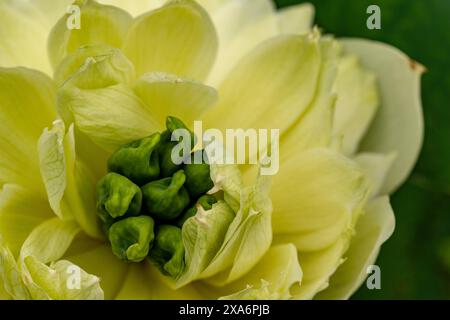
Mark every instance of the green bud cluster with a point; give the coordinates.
(146, 198)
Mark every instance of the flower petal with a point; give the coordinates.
(21, 210)
(55, 281)
(356, 104)
(248, 237)
(4, 295)
(398, 125)
(50, 240)
(97, 258)
(100, 24)
(241, 25)
(332, 190)
(271, 87)
(372, 230)
(52, 10)
(314, 128)
(178, 38)
(166, 94)
(375, 167)
(10, 277)
(135, 7)
(318, 267)
(275, 274)
(23, 36)
(26, 101)
(145, 282)
(102, 104)
(202, 238)
(75, 60)
(296, 19)
(69, 182)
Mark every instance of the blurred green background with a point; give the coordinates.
(415, 262)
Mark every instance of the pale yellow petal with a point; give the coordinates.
(271, 87)
(279, 268)
(23, 36)
(52, 10)
(11, 283)
(69, 181)
(75, 60)
(50, 240)
(241, 25)
(21, 210)
(376, 168)
(314, 128)
(296, 19)
(356, 104)
(398, 125)
(168, 95)
(144, 282)
(56, 282)
(27, 107)
(98, 24)
(372, 230)
(317, 196)
(178, 38)
(317, 268)
(103, 106)
(97, 258)
(135, 7)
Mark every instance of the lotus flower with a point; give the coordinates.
(76, 101)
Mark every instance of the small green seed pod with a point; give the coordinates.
(165, 199)
(173, 124)
(168, 251)
(117, 197)
(205, 202)
(198, 179)
(166, 164)
(132, 238)
(137, 160)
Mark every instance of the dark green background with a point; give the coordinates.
(415, 262)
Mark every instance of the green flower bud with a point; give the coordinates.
(198, 179)
(205, 202)
(168, 251)
(137, 160)
(167, 166)
(117, 197)
(165, 199)
(131, 238)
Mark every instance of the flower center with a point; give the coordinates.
(146, 198)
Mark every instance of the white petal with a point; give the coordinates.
(372, 230)
(398, 125)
